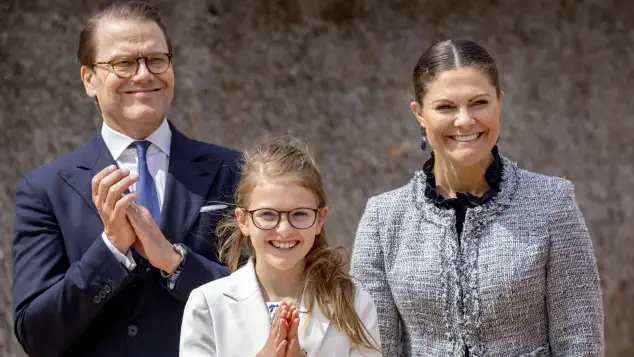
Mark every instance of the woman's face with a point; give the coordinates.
(461, 114)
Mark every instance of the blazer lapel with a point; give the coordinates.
(312, 329)
(189, 177)
(248, 306)
(94, 157)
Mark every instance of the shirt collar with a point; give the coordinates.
(117, 142)
(493, 177)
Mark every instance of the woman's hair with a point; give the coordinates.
(324, 277)
(451, 54)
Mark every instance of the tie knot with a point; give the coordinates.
(141, 148)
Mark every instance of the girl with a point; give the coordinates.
(292, 298)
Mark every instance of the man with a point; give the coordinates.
(93, 273)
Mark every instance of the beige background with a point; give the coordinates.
(337, 73)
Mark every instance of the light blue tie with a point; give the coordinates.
(145, 187)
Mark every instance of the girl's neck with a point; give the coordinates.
(278, 285)
(451, 179)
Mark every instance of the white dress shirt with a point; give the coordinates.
(126, 158)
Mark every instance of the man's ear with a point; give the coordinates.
(88, 77)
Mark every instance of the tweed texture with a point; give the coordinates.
(525, 265)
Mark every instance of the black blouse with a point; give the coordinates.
(464, 200)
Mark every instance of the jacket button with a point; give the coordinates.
(107, 289)
(133, 330)
(102, 294)
(96, 299)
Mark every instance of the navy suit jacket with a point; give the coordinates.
(71, 297)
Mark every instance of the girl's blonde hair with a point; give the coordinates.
(324, 278)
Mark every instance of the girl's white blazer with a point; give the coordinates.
(228, 317)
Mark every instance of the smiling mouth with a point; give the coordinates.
(143, 91)
(466, 138)
(284, 245)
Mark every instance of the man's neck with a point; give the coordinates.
(136, 131)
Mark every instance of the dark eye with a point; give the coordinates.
(125, 62)
(481, 102)
(443, 107)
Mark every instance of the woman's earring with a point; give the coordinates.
(423, 138)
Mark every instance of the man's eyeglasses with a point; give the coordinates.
(126, 67)
(268, 218)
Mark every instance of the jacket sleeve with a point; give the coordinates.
(574, 301)
(197, 330)
(368, 266)
(197, 269)
(54, 301)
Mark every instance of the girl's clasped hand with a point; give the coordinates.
(283, 340)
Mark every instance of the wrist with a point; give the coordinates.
(174, 259)
(123, 248)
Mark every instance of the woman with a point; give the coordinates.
(475, 256)
(279, 223)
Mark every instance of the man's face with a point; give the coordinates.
(145, 97)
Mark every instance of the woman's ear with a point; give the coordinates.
(241, 218)
(417, 109)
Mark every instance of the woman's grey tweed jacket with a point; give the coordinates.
(525, 262)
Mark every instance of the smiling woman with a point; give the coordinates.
(474, 256)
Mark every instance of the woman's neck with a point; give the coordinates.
(278, 285)
(451, 179)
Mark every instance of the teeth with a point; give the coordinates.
(466, 138)
(287, 245)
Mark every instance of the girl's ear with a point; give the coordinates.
(241, 217)
(321, 219)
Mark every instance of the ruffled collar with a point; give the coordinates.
(493, 177)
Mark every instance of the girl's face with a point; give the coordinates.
(281, 220)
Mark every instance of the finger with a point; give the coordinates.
(276, 317)
(100, 176)
(283, 331)
(279, 325)
(106, 182)
(293, 328)
(280, 351)
(115, 192)
(122, 205)
(134, 213)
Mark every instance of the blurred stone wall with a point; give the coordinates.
(337, 73)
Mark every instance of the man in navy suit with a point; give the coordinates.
(111, 238)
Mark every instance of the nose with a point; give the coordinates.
(463, 118)
(284, 228)
(142, 74)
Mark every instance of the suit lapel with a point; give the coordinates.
(248, 306)
(93, 158)
(312, 329)
(190, 175)
(249, 310)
